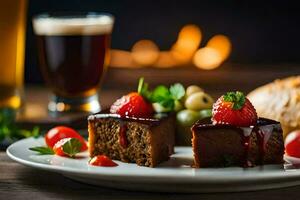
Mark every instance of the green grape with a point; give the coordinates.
(205, 113)
(187, 117)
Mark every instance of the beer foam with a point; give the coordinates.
(94, 25)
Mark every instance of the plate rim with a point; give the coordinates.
(179, 177)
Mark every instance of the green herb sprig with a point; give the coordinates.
(10, 131)
(162, 95)
(70, 147)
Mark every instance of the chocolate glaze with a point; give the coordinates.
(151, 121)
(263, 130)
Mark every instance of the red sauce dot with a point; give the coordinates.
(103, 161)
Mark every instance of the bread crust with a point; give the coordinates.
(280, 101)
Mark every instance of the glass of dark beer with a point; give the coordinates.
(73, 51)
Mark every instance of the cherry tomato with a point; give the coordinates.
(292, 144)
(60, 132)
(103, 161)
(58, 150)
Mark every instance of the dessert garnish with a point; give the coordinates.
(62, 141)
(145, 102)
(103, 161)
(235, 109)
(132, 105)
(190, 105)
(60, 132)
(67, 147)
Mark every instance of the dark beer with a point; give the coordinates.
(73, 65)
(73, 53)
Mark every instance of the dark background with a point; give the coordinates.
(262, 32)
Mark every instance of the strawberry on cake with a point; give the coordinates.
(235, 136)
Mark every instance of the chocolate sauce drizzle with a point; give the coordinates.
(262, 130)
(122, 135)
(246, 145)
(262, 140)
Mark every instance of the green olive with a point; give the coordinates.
(159, 108)
(199, 101)
(187, 117)
(205, 113)
(193, 89)
(177, 106)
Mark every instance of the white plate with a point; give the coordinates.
(175, 175)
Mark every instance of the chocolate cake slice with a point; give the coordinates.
(146, 142)
(224, 145)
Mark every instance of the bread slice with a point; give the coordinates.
(279, 100)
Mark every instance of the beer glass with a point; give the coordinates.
(73, 52)
(12, 44)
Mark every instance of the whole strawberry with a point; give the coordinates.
(132, 105)
(235, 109)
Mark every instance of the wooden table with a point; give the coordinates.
(20, 182)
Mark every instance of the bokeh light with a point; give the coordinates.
(182, 53)
(145, 52)
(222, 44)
(188, 41)
(165, 60)
(121, 59)
(207, 58)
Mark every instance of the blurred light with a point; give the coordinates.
(188, 41)
(14, 102)
(207, 58)
(165, 60)
(145, 52)
(60, 106)
(120, 58)
(222, 44)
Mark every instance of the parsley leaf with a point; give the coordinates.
(177, 91)
(42, 150)
(160, 93)
(8, 128)
(162, 97)
(72, 147)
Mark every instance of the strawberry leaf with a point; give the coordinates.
(237, 98)
(42, 150)
(143, 89)
(72, 147)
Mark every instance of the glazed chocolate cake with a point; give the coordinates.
(224, 145)
(145, 141)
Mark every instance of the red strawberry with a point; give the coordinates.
(235, 109)
(132, 105)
